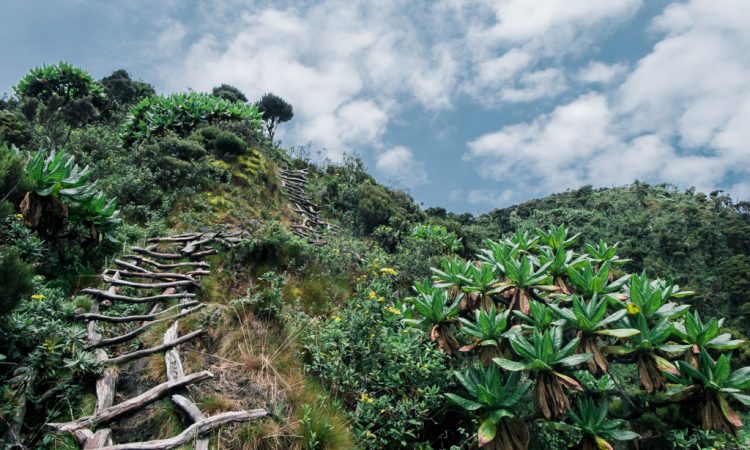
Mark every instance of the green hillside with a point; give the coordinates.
(170, 278)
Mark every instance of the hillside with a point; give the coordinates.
(171, 278)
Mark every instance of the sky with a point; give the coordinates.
(466, 104)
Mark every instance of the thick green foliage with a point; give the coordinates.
(61, 80)
(122, 92)
(696, 239)
(15, 280)
(228, 92)
(387, 376)
(181, 114)
(14, 130)
(275, 110)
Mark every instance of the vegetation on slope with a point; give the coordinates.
(407, 328)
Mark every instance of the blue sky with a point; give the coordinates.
(468, 104)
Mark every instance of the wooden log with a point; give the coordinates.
(131, 266)
(192, 246)
(148, 351)
(178, 238)
(128, 336)
(199, 428)
(188, 407)
(174, 372)
(163, 266)
(148, 285)
(128, 299)
(129, 406)
(122, 319)
(156, 275)
(148, 252)
(210, 251)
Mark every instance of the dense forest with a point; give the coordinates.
(171, 277)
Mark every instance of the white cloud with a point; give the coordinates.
(399, 164)
(350, 68)
(346, 67)
(680, 116)
(545, 83)
(599, 72)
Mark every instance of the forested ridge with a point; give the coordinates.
(172, 277)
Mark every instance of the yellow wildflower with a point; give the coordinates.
(394, 310)
(49, 345)
(388, 271)
(19, 216)
(366, 398)
(381, 299)
(38, 297)
(369, 434)
(633, 309)
(337, 318)
(372, 295)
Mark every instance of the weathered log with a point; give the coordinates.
(179, 238)
(147, 285)
(192, 246)
(107, 415)
(128, 299)
(162, 266)
(128, 336)
(196, 429)
(156, 275)
(142, 317)
(146, 251)
(210, 251)
(174, 372)
(148, 351)
(131, 266)
(188, 407)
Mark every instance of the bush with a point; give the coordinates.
(387, 376)
(14, 130)
(223, 144)
(229, 93)
(374, 207)
(181, 114)
(15, 279)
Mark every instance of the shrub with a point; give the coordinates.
(181, 114)
(229, 93)
(15, 279)
(14, 130)
(387, 378)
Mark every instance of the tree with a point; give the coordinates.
(123, 91)
(275, 110)
(60, 97)
(230, 93)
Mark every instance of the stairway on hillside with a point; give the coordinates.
(172, 266)
(312, 227)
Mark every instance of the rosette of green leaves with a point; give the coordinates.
(435, 308)
(557, 238)
(56, 174)
(540, 316)
(653, 298)
(692, 330)
(522, 277)
(714, 382)
(493, 395)
(597, 428)
(592, 320)
(545, 354)
(589, 281)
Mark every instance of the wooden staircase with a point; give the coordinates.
(312, 227)
(173, 267)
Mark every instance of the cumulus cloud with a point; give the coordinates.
(679, 116)
(399, 164)
(601, 73)
(351, 68)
